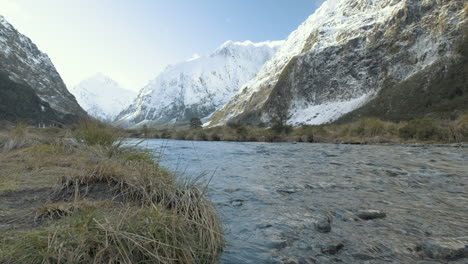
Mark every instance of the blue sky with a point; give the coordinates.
(133, 40)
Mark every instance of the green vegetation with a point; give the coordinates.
(195, 123)
(94, 133)
(70, 202)
(365, 130)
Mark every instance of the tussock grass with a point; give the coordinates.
(119, 208)
(62, 209)
(17, 138)
(95, 133)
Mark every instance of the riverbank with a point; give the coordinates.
(364, 131)
(97, 201)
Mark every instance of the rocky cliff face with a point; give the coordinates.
(102, 97)
(199, 86)
(342, 57)
(27, 66)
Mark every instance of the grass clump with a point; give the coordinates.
(140, 157)
(421, 129)
(62, 209)
(17, 138)
(127, 235)
(95, 133)
(96, 208)
(43, 148)
(368, 127)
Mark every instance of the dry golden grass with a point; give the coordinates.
(90, 207)
(366, 130)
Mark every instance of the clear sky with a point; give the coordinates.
(133, 40)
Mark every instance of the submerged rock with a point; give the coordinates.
(323, 225)
(288, 190)
(237, 203)
(331, 248)
(232, 190)
(371, 214)
(446, 248)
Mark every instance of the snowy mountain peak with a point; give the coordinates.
(198, 86)
(102, 97)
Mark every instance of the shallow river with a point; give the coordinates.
(279, 201)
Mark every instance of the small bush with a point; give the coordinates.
(462, 125)
(20, 130)
(368, 127)
(94, 133)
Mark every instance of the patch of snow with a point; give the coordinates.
(305, 114)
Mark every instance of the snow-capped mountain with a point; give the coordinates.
(345, 54)
(102, 97)
(23, 64)
(198, 86)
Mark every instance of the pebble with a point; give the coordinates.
(371, 214)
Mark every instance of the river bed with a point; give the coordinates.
(328, 203)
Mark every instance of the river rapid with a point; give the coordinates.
(328, 203)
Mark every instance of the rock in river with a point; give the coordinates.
(323, 225)
(331, 248)
(446, 248)
(371, 214)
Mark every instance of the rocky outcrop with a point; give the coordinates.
(19, 102)
(26, 66)
(346, 54)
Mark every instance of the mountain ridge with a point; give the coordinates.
(340, 57)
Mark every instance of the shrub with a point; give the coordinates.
(368, 127)
(95, 133)
(421, 129)
(19, 130)
(195, 123)
(462, 125)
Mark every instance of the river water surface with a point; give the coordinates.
(273, 198)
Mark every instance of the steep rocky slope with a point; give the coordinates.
(19, 102)
(102, 97)
(199, 86)
(24, 64)
(345, 54)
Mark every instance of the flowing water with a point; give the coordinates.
(275, 198)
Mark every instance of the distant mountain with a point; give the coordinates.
(384, 58)
(27, 73)
(199, 86)
(102, 97)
